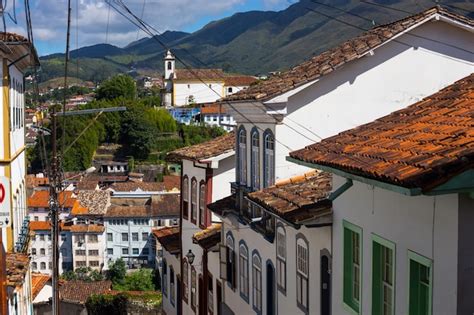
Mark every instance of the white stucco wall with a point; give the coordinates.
(87, 245)
(202, 93)
(45, 294)
(171, 260)
(425, 225)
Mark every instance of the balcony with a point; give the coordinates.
(21, 245)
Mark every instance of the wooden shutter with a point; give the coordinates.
(377, 297)
(223, 252)
(347, 292)
(234, 265)
(414, 288)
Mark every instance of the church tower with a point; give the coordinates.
(170, 74)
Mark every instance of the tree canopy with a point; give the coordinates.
(116, 87)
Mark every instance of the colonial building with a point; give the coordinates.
(402, 224)
(184, 87)
(332, 92)
(38, 205)
(17, 54)
(129, 225)
(215, 115)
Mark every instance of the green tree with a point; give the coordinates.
(137, 132)
(117, 272)
(116, 87)
(139, 280)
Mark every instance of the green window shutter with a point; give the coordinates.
(377, 298)
(420, 285)
(414, 307)
(347, 267)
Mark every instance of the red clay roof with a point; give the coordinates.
(335, 58)
(240, 81)
(138, 186)
(17, 265)
(172, 182)
(91, 202)
(209, 237)
(168, 238)
(421, 146)
(87, 228)
(200, 74)
(78, 292)
(40, 226)
(32, 181)
(202, 151)
(212, 109)
(299, 198)
(38, 281)
(40, 199)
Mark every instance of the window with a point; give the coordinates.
(135, 237)
(193, 200)
(193, 288)
(63, 237)
(269, 159)
(50, 265)
(41, 237)
(256, 282)
(170, 65)
(33, 251)
(383, 276)
(202, 204)
(135, 251)
(124, 237)
(49, 237)
(255, 161)
(145, 236)
(281, 258)
(81, 264)
(230, 259)
(352, 266)
(185, 280)
(42, 251)
(165, 278)
(244, 271)
(302, 273)
(36, 218)
(80, 238)
(34, 265)
(93, 252)
(93, 238)
(124, 251)
(210, 294)
(172, 285)
(229, 90)
(43, 265)
(80, 252)
(242, 156)
(420, 284)
(185, 197)
(110, 251)
(94, 263)
(110, 237)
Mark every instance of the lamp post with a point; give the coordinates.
(190, 256)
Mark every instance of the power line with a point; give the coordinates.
(108, 22)
(372, 21)
(386, 7)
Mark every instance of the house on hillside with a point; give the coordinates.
(215, 115)
(278, 222)
(183, 87)
(73, 295)
(38, 205)
(403, 217)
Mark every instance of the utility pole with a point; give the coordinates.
(54, 189)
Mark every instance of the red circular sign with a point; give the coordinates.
(2, 193)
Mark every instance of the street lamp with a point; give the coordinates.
(190, 256)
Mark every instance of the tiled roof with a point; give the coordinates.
(223, 206)
(335, 58)
(38, 281)
(78, 292)
(87, 184)
(18, 45)
(12, 37)
(17, 266)
(421, 146)
(202, 151)
(165, 205)
(200, 74)
(40, 226)
(107, 178)
(209, 237)
(32, 181)
(168, 238)
(138, 186)
(172, 182)
(40, 199)
(212, 109)
(87, 228)
(127, 212)
(240, 80)
(299, 198)
(91, 202)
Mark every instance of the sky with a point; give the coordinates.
(92, 18)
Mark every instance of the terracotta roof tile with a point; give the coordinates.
(91, 202)
(240, 81)
(168, 238)
(421, 146)
(38, 281)
(17, 266)
(202, 151)
(172, 182)
(203, 74)
(333, 59)
(33, 182)
(87, 228)
(165, 205)
(127, 212)
(209, 237)
(212, 109)
(78, 292)
(87, 184)
(40, 226)
(40, 199)
(297, 199)
(138, 186)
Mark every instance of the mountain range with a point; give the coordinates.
(254, 42)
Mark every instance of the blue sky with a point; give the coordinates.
(49, 19)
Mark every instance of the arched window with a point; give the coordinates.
(244, 270)
(185, 280)
(202, 203)
(170, 65)
(281, 258)
(302, 274)
(185, 192)
(230, 261)
(269, 159)
(242, 156)
(194, 200)
(255, 167)
(256, 282)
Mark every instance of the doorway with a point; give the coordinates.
(270, 289)
(325, 284)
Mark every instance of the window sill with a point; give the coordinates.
(349, 309)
